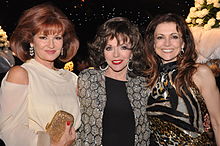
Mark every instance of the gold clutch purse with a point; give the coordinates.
(57, 125)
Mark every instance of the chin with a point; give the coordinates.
(120, 70)
(51, 59)
(169, 59)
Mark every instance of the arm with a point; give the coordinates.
(205, 81)
(18, 75)
(81, 88)
(14, 111)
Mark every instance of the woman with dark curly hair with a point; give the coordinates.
(184, 98)
(113, 95)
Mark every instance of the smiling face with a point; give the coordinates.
(168, 41)
(117, 56)
(47, 47)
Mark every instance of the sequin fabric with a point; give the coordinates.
(92, 97)
(177, 120)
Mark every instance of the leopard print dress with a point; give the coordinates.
(177, 120)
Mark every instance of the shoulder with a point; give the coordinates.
(17, 74)
(203, 71)
(72, 74)
(138, 78)
(89, 76)
(138, 85)
(89, 72)
(203, 75)
(138, 81)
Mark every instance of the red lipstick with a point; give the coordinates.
(116, 62)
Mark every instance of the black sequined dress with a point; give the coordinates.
(177, 120)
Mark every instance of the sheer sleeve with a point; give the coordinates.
(14, 117)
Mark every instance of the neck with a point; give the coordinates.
(48, 64)
(116, 75)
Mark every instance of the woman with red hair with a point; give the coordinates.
(32, 93)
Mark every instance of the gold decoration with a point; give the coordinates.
(69, 66)
(3, 39)
(57, 125)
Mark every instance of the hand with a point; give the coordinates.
(68, 137)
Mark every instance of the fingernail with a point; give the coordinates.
(68, 123)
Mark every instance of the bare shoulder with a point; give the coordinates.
(203, 75)
(203, 71)
(18, 75)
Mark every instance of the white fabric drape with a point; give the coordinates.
(26, 109)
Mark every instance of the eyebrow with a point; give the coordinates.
(169, 34)
(175, 33)
(108, 44)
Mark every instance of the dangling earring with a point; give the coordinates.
(181, 52)
(103, 66)
(31, 51)
(61, 52)
(129, 65)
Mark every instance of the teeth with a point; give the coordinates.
(116, 61)
(167, 51)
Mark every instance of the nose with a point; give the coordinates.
(116, 52)
(167, 41)
(51, 43)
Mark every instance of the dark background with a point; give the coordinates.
(87, 15)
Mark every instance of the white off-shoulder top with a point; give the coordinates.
(26, 109)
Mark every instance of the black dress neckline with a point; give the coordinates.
(167, 67)
(118, 118)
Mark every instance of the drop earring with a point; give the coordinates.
(103, 66)
(31, 51)
(129, 65)
(61, 52)
(181, 52)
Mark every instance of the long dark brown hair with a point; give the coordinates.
(48, 19)
(185, 62)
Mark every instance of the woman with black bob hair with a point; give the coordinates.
(123, 31)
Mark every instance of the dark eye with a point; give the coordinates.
(175, 37)
(42, 37)
(124, 48)
(58, 38)
(108, 48)
(159, 37)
